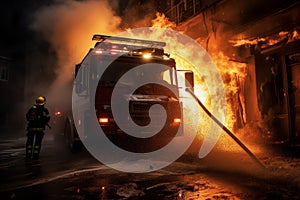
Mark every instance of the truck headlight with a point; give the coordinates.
(103, 120)
(176, 122)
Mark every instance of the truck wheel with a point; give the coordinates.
(69, 139)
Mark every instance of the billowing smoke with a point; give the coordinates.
(68, 28)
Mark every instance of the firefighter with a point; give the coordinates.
(37, 118)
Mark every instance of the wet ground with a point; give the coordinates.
(60, 174)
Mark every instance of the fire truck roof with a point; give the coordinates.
(129, 41)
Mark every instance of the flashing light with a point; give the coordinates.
(103, 120)
(147, 55)
(98, 51)
(137, 52)
(57, 113)
(113, 49)
(176, 120)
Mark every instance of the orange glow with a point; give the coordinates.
(162, 22)
(103, 120)
(180, 194)
(295, 35)
(249, 42)
(176, 120)
(283, 33)
(147, 55)
(57, 113)
(282, 36)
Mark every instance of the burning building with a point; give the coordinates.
(255, 45)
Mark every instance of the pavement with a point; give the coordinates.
(224, 174)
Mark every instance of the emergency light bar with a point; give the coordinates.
(123, 40)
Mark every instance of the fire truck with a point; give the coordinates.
(119, 55)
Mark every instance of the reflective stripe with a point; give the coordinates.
(35, 151)
(37, 147)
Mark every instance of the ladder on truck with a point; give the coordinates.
(128, 41)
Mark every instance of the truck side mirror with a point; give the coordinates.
(189, 79)
(77, 69)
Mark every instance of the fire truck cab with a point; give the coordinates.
(120, 55)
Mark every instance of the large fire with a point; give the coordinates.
(232, 73)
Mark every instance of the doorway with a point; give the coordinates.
(293, 73)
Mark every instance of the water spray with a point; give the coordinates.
(239, 142)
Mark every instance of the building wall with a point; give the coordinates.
(219, 26)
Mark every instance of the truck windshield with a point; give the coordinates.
(119, 67)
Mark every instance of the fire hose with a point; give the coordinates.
(225, 128)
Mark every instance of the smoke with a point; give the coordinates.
(68, 27)
(137, 15)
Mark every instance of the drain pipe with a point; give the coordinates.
(225, 129)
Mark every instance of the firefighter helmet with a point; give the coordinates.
(41, 100)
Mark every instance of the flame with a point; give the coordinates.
(233, 74)
(283, 33)
(161, 21)
(295, 35)
(247, 42)
(282, 36)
